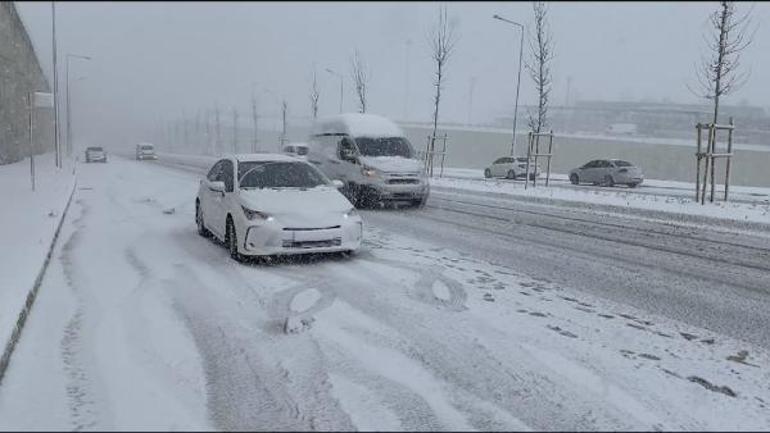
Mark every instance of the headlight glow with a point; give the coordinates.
(255, 215)
(369, 171)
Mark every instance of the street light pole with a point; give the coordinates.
(518, 79)
(56, 142)
(341, 85)
(67, 80)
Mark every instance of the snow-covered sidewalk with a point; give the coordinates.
(28, 223)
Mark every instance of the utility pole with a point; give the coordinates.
(406, 80)
(470, 99)
(518, 80)
(56, 141)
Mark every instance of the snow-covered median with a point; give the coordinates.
(614, 200)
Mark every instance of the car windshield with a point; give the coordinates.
(279, 174)
(385, 146)
(619, 163)
(146, 147)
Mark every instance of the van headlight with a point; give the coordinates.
(255, 214)
(369, 172)
(350, 213)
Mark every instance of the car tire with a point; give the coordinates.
(574, 179)
(231, 240)
(202, 230)
(510, 175)
(487, 173)
(608, 181)
(633, 185)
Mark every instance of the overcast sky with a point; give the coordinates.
(155, 60)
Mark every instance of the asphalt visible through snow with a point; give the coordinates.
(472, 313)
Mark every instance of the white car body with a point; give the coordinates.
(512, 168)
(96, 154)
(390, 171)
(283, 221)
(145, 151)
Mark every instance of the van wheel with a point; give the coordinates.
(573, 178)
(365, 198)
(231, 240)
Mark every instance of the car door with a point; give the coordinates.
(222, 202)
(603, 169)
(498, 167)
(208, 197)
(587, 172)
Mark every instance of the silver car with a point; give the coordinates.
(607, 172)
(511, 168)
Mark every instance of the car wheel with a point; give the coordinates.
(231, 239)
(609, 181)
(573, 178)
(202, 230)
(419, 204)
(487, 173)
(633, 185)
(510, 175)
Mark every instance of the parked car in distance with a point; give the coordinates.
(145, 151)
(607, 172)
(273, 204)
(296, 149)
(512, 168)
(371, 156)
(95, 153)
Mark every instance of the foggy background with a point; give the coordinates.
(154, 61)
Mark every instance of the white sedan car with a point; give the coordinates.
(269, 204)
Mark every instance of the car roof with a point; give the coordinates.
(249, 157)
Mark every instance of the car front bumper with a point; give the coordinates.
(147, 157)
(272, 238)
(399, 192)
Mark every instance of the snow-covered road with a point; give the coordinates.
(470, 314)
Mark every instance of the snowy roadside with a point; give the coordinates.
(28, 223)
(753, 216)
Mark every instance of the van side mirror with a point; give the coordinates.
(348, 155)
(338, 183)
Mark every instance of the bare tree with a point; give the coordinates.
(217, 130)
(235, 130)
(442, 39)
(360, 79)
(718, 73)
(541, 48)
(314, 95)
(255, 120)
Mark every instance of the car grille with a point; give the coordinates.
(335, 242)
(305, 229)
(402, 181)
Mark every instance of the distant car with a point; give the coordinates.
(145, 151)
(296, 149)
(511, 168)
(95, 153)
(607, 172)
(272, 204)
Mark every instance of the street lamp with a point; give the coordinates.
(67, 79)
(518, 80)
(341, 91)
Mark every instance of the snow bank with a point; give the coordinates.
(28, 222)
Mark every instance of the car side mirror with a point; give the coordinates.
(348, 155)
(217, 186)
(338, 183)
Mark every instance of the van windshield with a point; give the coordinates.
(385, 146)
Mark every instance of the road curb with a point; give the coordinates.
(32, 294)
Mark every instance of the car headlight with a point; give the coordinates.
(369, 171)
(255, 214)
(351, 213)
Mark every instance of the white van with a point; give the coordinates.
(371, 156)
